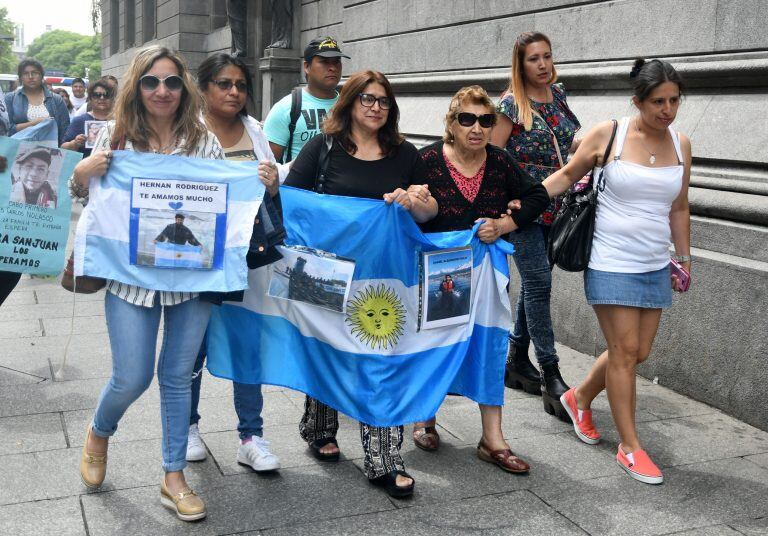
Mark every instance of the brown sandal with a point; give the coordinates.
(426, 438)
(504, 458)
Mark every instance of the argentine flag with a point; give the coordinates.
(176, 256)
(105, 226)
(373, 361)
(44, 133)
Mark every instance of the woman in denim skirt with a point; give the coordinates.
(643, 208)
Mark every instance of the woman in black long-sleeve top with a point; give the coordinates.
(472, 180)
(368, 158)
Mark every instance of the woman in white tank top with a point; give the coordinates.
(643, 209)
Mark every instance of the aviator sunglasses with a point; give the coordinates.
(150, 82)
(467, 119)
(99, 95)
(226, 85)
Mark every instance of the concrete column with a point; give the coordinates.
(280, 70)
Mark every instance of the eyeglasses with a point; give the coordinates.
(101, 96)
(226, 85)
(467, 119)
(368, 100)
(31, 74)
(150, 82)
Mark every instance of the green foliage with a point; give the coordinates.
(7, 59)
(69, 52)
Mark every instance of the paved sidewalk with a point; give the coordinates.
(716, 466)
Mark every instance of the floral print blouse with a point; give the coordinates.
(534, 149)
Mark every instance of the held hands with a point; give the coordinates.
(513, 205)
(268, 176)
(95, 165)
(419, 193)
(399, 196)
(492, 228)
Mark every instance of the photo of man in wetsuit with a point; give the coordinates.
(177, 233)
(32, 186)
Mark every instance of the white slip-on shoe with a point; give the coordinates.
(195, 447)
(256, 455)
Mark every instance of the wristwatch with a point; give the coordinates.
(682, 258)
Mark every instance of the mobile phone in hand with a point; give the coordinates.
(683, 277)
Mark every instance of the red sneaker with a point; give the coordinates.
(581, 418)
(639, 466)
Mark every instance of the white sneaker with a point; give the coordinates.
(195, 447)
(256, 455)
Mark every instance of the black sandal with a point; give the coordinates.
(317, 444)
(389, 483)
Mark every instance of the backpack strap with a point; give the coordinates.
(294, 118)
(322, 163)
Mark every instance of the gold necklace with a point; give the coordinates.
(652, 159)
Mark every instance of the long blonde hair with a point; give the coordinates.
(130, 113)
(517, 79)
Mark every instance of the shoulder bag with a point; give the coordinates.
(570, 237)
(84, 284)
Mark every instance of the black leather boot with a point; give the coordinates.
(552, 388)
(520, 373)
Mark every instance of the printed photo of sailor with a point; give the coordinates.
(447, 287)
(173, 239)
(92, 129)
(35, 175)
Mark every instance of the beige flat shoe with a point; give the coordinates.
(187, 505)
(93, 467)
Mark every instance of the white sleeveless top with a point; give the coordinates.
(632, 232)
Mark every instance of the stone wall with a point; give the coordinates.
(712, 343)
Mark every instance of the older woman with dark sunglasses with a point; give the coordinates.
(102, 98)
(472, 181)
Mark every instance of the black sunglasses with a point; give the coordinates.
(150, 82)
(100, 95)
(226, 85)
(467, 119)
(368, 100)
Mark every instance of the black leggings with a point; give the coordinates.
(8, 281)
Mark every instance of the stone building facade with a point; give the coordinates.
(713, 343)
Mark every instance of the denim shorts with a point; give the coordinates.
(649, 290)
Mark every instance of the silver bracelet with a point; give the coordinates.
(682, 258)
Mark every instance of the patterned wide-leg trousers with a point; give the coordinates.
(381, 445)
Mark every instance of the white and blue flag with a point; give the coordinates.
(44, 133)
(143, 193)
(371, 359)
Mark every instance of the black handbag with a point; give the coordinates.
(570, 237)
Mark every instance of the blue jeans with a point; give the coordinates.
(132, 337)
(533, 321)
(248, 401)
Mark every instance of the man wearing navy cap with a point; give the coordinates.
(322, 67)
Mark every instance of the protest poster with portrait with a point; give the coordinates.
(178, 223)
(91, 131)
(34, 206)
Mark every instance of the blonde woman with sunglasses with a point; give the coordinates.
(157, 110)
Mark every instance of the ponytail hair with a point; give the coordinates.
(648, 75)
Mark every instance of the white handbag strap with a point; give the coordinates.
(554, 138)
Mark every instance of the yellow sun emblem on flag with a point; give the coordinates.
(376, 316)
